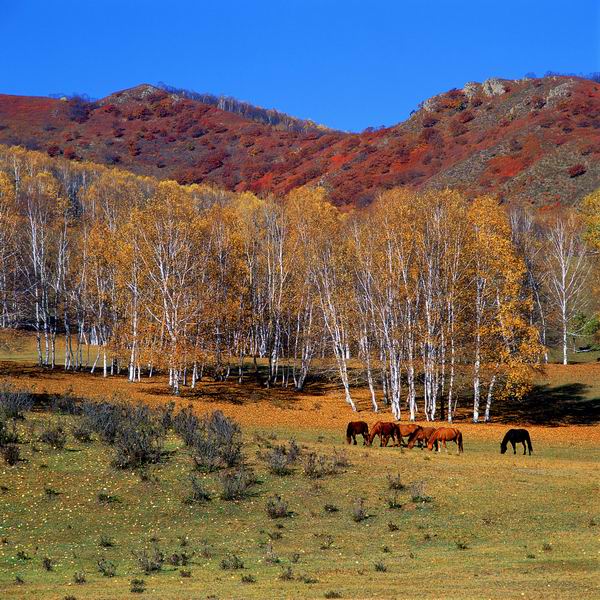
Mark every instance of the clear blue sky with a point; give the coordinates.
(346, 63)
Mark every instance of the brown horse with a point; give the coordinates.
(384, 430)
(443, 435)
(420, 436)
(405, 431)
(357, 428)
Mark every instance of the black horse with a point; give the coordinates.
(516, 436)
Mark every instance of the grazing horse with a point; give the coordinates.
(384, 430)
(405, 431)
(516, 436)
(443, 435)
(357, 428)
(420, 436)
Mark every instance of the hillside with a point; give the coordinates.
(533, 140)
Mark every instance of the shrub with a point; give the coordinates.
(460, 545)
(332, 594)
(237, 485)
(139, 439)
(105, 498)
(417, 492)
(339, 460)
(8, 433)
(317, 466)
(137, 586)
(198, 493)
(331, 508)
(327, 542)
(79, 578)
(103, 418)
(150, 562)
(19, 580)
(51, 492)
(82, 432)
(248, 579)
(47, 563)
(180, 559)
(185, 573)
(105, 542)
(359, 512)
(394, 482)
(286, 574)
(54, 436)
(232, 562)
(577, 170)
(393, 501)
(217, 442)
(65, 404)
(14, 403)
(11, 455)
(277, 508)
(107, 568)
(380, 567)
(279, 460)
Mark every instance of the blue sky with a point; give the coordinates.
(348, 64)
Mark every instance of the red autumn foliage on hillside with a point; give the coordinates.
(514, 139)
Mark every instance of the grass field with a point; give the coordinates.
(495, 526)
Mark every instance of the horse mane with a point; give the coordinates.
(349, 432)
(414, 434)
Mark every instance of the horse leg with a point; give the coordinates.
(514, 447)
(524, 448)
(354, 438)
(381, 440)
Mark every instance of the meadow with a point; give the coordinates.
(378, 523)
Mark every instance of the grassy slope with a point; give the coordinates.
(504, 508)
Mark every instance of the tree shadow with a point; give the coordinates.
(553, 406)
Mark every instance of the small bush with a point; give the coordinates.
(279, 461)
(19, 580)
(248, 579)
(104, 418)
(339, 460)
(65, 404)
(286, 574)
(14, 403)
(11, 455)
(547, 547)
(393, 502)
(237, 485)
(393, 526)
(217, 443)
(461, 545)
(331, 508)
(418, 494)
(332, 594)
(277, 508)
(186, 424)
(318, 465)
(139, 439)
(232, 562)
(359, 512)
(47, 563)
(395, 482)
(327, 542)
(137, 586)
(198, 492)
(307, 579)
(79, 578)
(180, 559)
(186, 573)
(105, 498)
(82, 432)
(150, 562)
(51, 492)
(107, 568)
(8, 433)
(380, 567)
(55, 436)
(22, 555)
(105, 542)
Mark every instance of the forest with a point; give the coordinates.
(428, 298)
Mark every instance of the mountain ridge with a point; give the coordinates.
(533, 141)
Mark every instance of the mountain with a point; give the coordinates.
(530, 141)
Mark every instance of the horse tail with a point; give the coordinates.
(460, 442)
(349, 433)
(529, 446)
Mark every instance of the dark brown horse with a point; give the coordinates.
(445, 434)
(385, 431)
(407, 430)
(420, 436)
(357, 428)
(516, 436)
